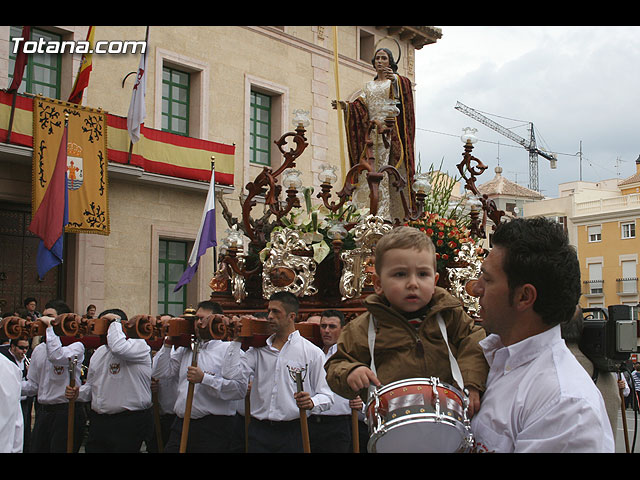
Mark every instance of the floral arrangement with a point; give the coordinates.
(447, 236)
(319, 226)
(444, 220)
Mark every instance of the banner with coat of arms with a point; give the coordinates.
(86, 161)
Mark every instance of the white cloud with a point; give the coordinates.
(574, 83)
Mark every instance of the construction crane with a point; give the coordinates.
(529, 145)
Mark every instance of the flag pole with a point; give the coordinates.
(213, 179)
(11, 115)
(146, 41)
(18, 72)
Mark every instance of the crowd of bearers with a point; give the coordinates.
(526, 388)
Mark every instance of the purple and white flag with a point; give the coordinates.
(206, 236)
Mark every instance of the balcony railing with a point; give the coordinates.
(593, 287)
(627, 286)
(622, 202)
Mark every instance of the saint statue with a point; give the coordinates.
(371, 107)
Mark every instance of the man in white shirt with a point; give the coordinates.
(330, 430)
(47, 379)
(275, 401)
(16, 352)
(119, 389)
(538, 397)
(218, 385)
(11, 424)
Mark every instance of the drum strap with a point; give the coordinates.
(372, 341)
(455, 369)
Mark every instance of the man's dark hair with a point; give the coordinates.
(537, 251)
(571, 329)
(58, 305)
(115, 311)
(212, 306)
(288, 299)
(14, 341)
(334, 313)
(28, 300)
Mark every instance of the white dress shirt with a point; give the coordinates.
(119, 377)
(273, 385)
(539, 399)
(11, 422)
(48, 374)
(167, 390)
(223, 385)
(340, 404)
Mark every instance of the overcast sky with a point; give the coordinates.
(573, 83)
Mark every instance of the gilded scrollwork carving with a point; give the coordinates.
(354, 273)
(459, 276)
(284, 269)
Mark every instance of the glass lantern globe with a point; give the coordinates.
(328, 174)
(421, 183)
(291, 178)
(474, 203)
(469, 135)
(337, 231)
(301, 118)
(234, 239)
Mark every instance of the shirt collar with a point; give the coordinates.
(518, 354)
(291, 338)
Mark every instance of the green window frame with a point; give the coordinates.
(175, 101)
(172, 262)
(260, 133)
(42, 72)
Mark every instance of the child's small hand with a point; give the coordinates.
(474, 401)
(361, 377)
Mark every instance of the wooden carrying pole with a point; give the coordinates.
(187, 409)
(72, 404)
(247, 419)
(156, 418)
(355, 434)
(303, 419)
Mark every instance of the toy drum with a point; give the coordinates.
(418, 415)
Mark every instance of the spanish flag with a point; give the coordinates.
(82, 79)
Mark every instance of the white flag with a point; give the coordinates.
(137, 110)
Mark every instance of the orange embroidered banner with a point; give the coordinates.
(86, 161)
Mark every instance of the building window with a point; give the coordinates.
(172, 261)
(595, 233)
(595, 278)
(629, 230)
(629, 281)
(367, 46)
(175, 101)
(260, 130)
(42, 72)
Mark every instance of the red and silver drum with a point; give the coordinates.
(418, 415)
